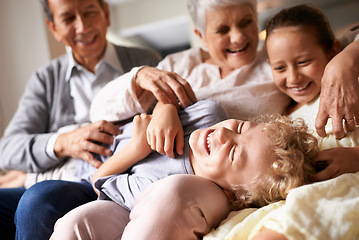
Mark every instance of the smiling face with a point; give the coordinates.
(297, 61)
(82, 25)
(232, 152)
(231, 36)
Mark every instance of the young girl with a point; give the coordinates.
(300, 43)
(255, 163)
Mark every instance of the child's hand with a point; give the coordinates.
(139, 139)
(165, 130)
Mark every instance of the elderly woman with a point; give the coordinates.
(231, 71)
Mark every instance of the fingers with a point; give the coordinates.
(168, 147)
(322, 163)
(320, 122)
(180, 143)
(155, 81)
(99, 138)
(167, 87)
(338, 128)
(87, 150)
(341, 124)
(12, 179)
(162, 144)
(328, 173)
(164, 94)
(350, 124)
(106, 127)
(88, 157)
(84, 141)
(99, 134)
(183, 91)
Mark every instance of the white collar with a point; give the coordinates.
(110, 58)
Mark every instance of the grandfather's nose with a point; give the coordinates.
(80, 24)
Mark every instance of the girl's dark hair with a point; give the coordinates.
(48, 13)
(304, 15)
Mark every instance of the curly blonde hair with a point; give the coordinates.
(294, 149)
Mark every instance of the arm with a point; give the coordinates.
(165, 130)
(339, 97)
(117, 100)
(135, 92)
(135, 150)
(339, 160)
(45, 107)
(23, 144)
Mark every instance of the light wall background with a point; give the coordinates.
(26, 44)
(23, 48)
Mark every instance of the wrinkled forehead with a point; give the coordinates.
(213, 4)
(198, 9)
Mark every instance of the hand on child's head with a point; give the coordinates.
(337, 161)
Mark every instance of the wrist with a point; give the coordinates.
(59, 149)
(138, 89)
(50, 146)
(353, 49)
(168, 107)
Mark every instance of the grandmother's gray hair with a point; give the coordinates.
(197, 9)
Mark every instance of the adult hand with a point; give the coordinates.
(339, 97)
(12, 179)
(84, 141)
(340, 160)
(165, 86)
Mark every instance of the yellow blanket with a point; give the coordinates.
(325, 210)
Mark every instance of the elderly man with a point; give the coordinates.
(59, 95)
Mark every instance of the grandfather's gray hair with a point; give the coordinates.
(197, 9)
(48, 13)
